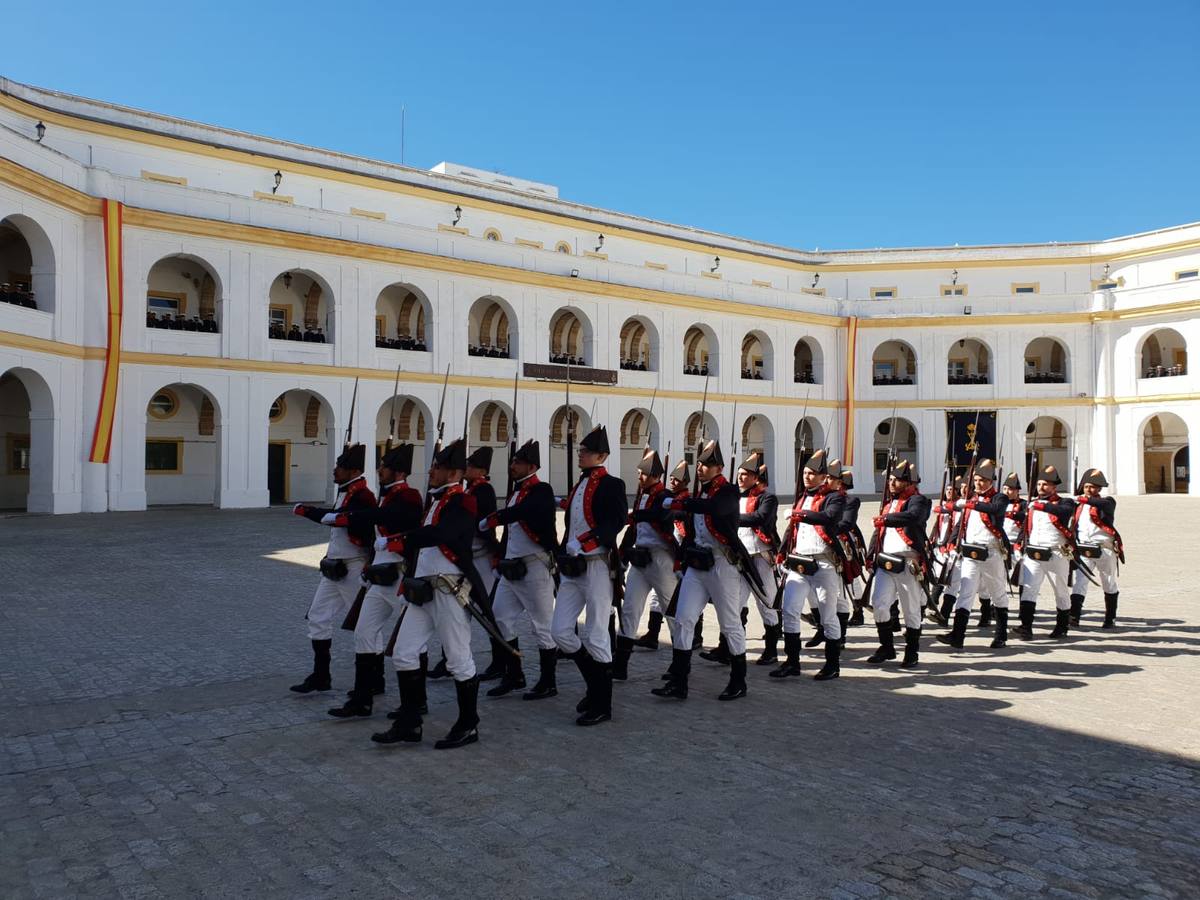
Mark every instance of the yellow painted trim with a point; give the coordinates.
(532, 245)
(454, 229)
(47, 189)
(716, 275)
(274, 198)
(948, 290)
(1000, 403)
(43, 345)
(815, 292)
(661, 267)
(1114, 283)
(162, 417)
(757, 282)
(592, 254)
(1187, 274)
(1149, 398)
(492, 234)
(892, 293)
(368, 214)
(563, 247)
(178, 442)
(164, 179)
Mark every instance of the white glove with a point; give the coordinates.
(328, 518)
(483, 525)
(380, 544)
(960, 503)
(668, 502)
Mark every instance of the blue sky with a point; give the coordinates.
(808, 125)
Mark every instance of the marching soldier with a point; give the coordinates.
(759, 534)
(399, 510)
(485, 548)
(1099, 544)
(436, 596)
(596, 512)
(525, 574)
(713, 559)
(941, 536)
(900, 526)
(649, 549)
(811, 554)
(343, 562)
(1047, 548)
(677, 487)
(854, 547)
(984, 549)
(845, 558)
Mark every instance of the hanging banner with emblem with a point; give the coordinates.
(967, 433)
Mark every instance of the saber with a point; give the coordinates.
(477, 614)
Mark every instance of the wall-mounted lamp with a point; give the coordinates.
(278, 178)
(1106, 271)
(716, 264)
(816, 278)
(966, 310)
(599, 243)
(574, 273)
(962, 342)
(954, 277)
(40, 128)
(457, 216)
(287, 280)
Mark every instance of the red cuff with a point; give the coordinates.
(395, 544)
(341, 521)
(300, 510)
(588, 542)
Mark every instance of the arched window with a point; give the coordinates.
(968, 362)
(401, 316)
(562, 247)
(300, 308)
(490, 330)
(570, 338)
(806, 362)
(182, 294)
(699, 351)
(893, 362)
(639, 345)
(1046, 361)
(1164, 354)
(757, 362)
(491, 235)
(1165, 455)
(26, 264)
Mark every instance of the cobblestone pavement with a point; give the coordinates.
(149, 747)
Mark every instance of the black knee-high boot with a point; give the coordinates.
(887, 644)
(736, 689)
(698, 633)
(985, 612)
(649, 640)
(833, 661)
(942, 617)
(1062, 624)
(318, 679)
(1000, 638)
(547, 683)
(770, 652)
(1076, 607)
(958, 631)
(514, 675)
(583, 662)
(466, 729)
(896, 617)
(677, 676)
(1110, 610)
(720, 653)
(844, 621)
(359, 701)
(1025, 615)
(499, 664)
(600, 690)
(791, 665)
(407, 725)
(620, 663)
(912, 646)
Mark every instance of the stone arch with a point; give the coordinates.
(904, 444)
(491, 425)
(1046, 361)
(412, 427)
(27, 263)
(893, 362)
(757, 434)
(696, 429)
(183, 462)
(570, 337)
(1165, 454)
(183, 291)
(1162, 353)
(27, 441)
(807, 361)
(1047, 443)
(302, 302)
(809, 437)
(302, 445)
(556, 463)
(700, 352)
(639, 344)
(757, 357)
(402, 317)
(491, 328)
(639, 429)
(969, 361)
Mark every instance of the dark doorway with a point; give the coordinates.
(277, 471)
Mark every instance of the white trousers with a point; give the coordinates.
(983, 578)
(822, 591)
(590, 593)
(451, 623)
(533, 594)
(723, 585)
(657, 577)
(1105, 569)
(1034, 572)
(768, 613)
(889, 587)
(376, 618)
(954, 585)
(333, 600)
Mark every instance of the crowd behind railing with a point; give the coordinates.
(1045, 377)
(633, 365)
(752, 375)
(17, 295)
(696, 370)
(1165, 371)
(404, 342)
(805, 377)
(496, 352)
(968, 379)
(566, 359)
(311, 333)
(182, 323)
(891, 380)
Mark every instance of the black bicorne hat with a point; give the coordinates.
(529, 452)
(1013, 481)
(399, 458)
(753, 464)
(481, 458)
(847, 478)
(681, 471)
(818, 463)
(986, 469)
(710, 455)
(1050, 475)
(650, 465)
(1094, 476)
(353, 456)
(452, 456)
(596, 440)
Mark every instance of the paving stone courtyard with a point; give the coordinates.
(149, 746)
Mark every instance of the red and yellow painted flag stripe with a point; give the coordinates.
(114, 280)
(851, 357)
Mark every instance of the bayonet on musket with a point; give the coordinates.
(392, 414)
(441, 422)
(350, 424)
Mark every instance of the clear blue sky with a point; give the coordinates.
(810, 125)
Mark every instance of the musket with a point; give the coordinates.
(948, 568)
(512, 442)
(353, 403)
(466, 420)
(650, 421)
(874, 547)
(441, 424)
(803, 416)
(570, 436)
(392, 415)
(703, 437)
(733, 438)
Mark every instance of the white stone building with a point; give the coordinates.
(108, 214)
